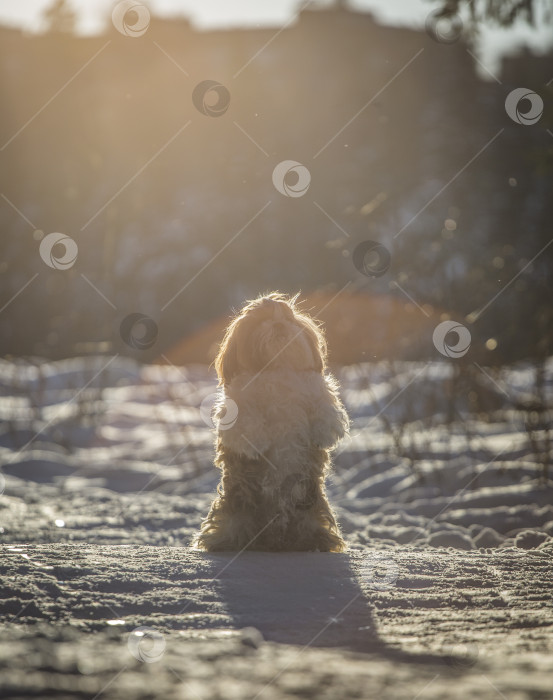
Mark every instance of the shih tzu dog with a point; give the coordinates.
(275, 456)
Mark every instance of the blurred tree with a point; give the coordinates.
(501, 12)
(59, 18)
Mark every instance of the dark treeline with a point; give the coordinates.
(159, 230)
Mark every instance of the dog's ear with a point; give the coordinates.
(226, 362)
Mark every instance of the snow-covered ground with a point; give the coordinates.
(448, 513)
(108, 446)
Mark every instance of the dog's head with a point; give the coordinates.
(270, 333)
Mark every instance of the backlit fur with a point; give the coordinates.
(275, 456)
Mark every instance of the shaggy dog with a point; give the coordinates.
(274, 456)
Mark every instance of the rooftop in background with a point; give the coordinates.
(92, 15)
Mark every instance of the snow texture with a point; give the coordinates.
(445, 590)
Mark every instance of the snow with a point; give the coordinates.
(449, 527)
(136, 429)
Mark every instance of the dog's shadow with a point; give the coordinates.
(301, 598)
